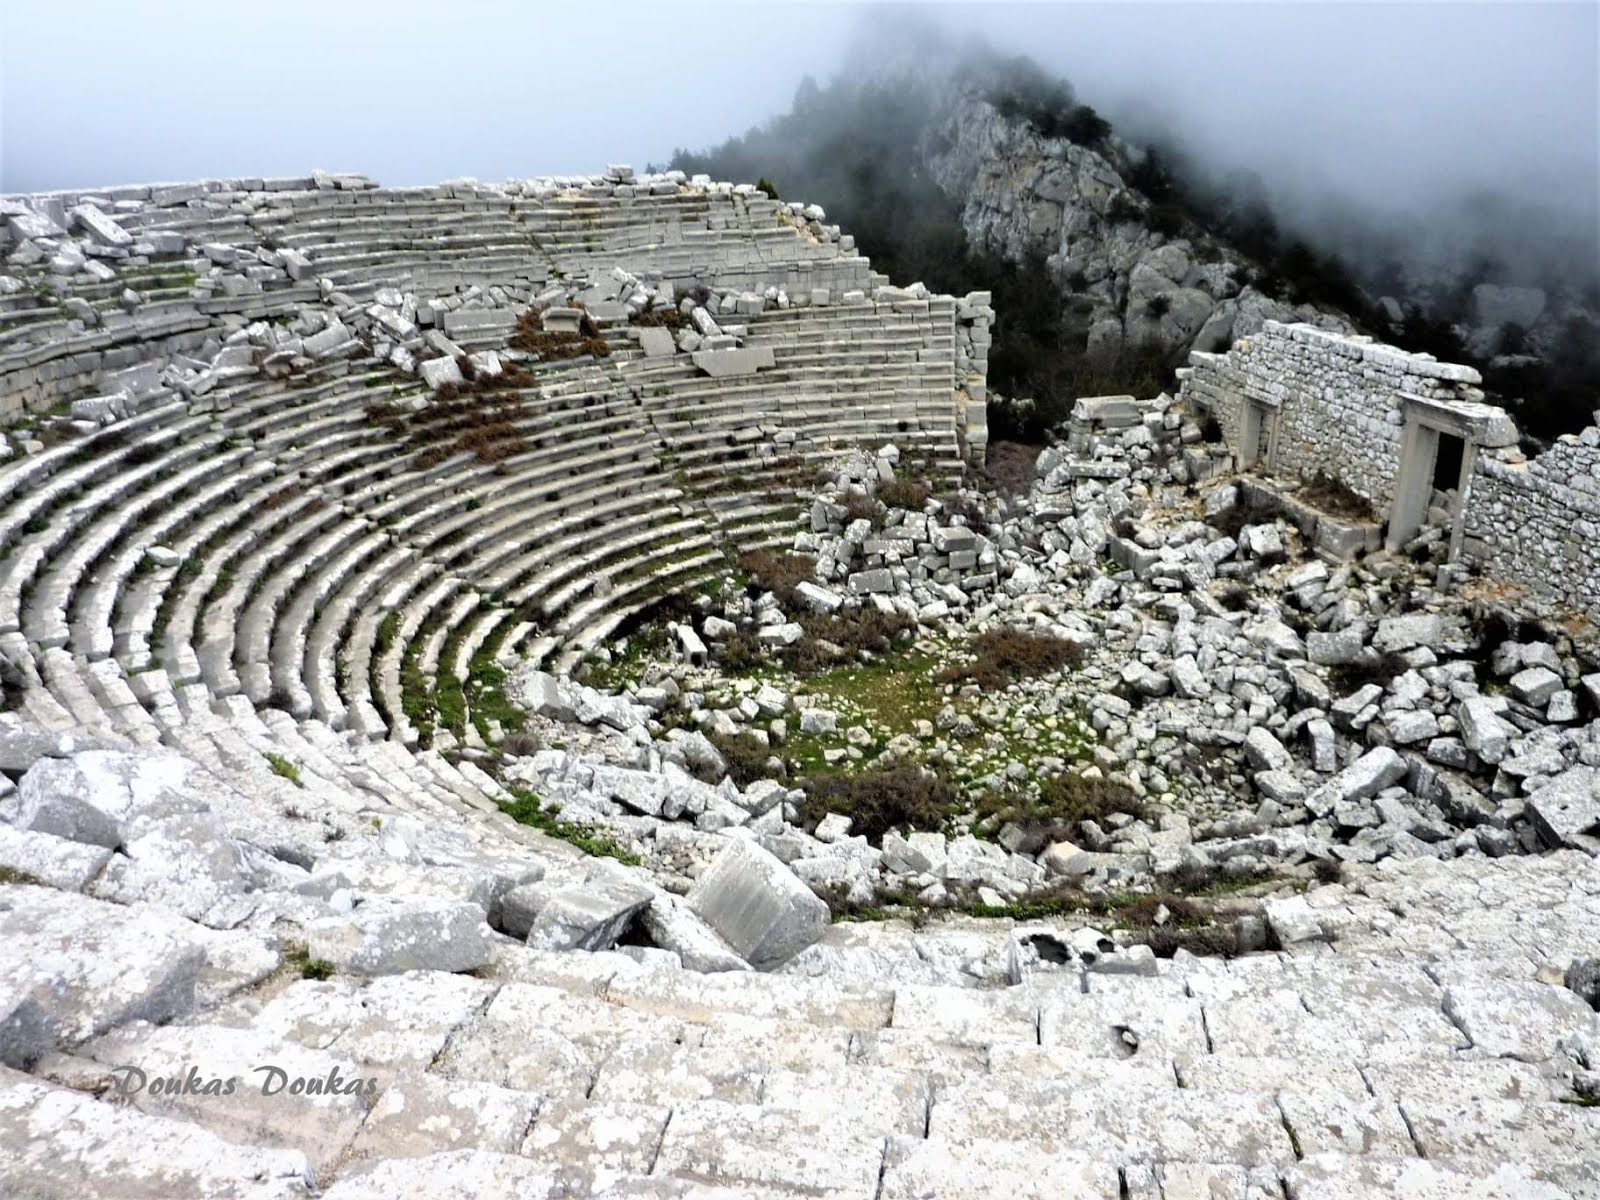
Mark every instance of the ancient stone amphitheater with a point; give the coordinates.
(274, 449)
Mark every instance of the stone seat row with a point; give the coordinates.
(352, 559)
(800, 1083)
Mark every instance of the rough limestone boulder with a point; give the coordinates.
(1566, 810)
(672, 926)
(759, 906)
(75, 967)
(590, 916)
(96, 796)
(384, 938)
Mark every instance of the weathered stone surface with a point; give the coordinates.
(1518, 1018)
(656, 341)
(72, 967)
(96, 795)
(1482, 729)
(383, 937)
(265, 1108)
(673, 926)
(1332, 649)
(51, 860)
(1364, 778)
(543, 694)
(587, 917)
(1567, 807)
(757, 904)
(57, 1144)
(1403, 633)
(724, 364)
(448, 1175)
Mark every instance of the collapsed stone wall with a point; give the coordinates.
(1338, 405)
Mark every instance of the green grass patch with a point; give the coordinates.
(284, 768)
(299, 960)
(526, 808)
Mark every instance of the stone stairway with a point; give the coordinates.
(1350, 1070)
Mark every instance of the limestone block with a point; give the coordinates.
(757, 904)
(437, 372)
(656, 342)
(591, 916)
(1404, 633)
(383, 937)
(118, 1151)
(724, 364)
(1567, 807)
(818, 598)
(1485, 733)
(672, 925)
(72, 967)
(100, 227)
(54, 861)
(99, 796)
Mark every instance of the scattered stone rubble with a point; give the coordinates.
(1277, 709)
(220, 863)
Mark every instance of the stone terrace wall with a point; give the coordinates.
(1337, 398)
(1533, 525)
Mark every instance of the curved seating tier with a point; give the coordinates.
(273, 545)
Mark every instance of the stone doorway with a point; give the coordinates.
(1436, 461)
(1255, 436)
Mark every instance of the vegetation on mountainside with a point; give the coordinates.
(860, 149)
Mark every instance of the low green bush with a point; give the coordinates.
(882, 799)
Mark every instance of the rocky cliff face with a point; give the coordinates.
(1127, 287)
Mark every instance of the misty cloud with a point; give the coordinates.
(1423, 118)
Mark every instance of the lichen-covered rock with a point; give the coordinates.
(384, 937)
(72, 967)
(758, 905)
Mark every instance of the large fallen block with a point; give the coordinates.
(746, 360)
(382, 938)
(72, 967)
(759, 906)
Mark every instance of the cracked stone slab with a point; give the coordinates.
(924, 1169)
(1323, 1122)
(57, 1144)
(616, 1136)
(877, 1099)
(427, 1114)
(1339, 1177)
(968, 1015)
(740, 1145)
(101, 796)
(399, 1021)
(1155, 1123)
(86, 966)
(1519, 1019)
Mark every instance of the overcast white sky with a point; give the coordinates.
(1397, 102)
